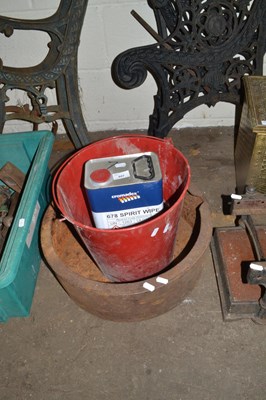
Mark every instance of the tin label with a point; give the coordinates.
(124, 190)
(121, 219)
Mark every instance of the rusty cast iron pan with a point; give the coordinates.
(92, 291)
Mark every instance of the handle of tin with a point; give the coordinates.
(147, 168)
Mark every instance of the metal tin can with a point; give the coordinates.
(124, 190)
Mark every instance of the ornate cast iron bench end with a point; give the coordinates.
(207, 48)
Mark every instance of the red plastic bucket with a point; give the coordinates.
(134, 252)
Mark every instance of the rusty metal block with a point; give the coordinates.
(232, 254)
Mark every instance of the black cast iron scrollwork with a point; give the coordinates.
(210, 46)
(58, 70)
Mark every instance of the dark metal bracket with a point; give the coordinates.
(251, 202)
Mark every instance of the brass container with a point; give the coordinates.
(250, 152)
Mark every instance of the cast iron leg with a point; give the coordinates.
(68, 99)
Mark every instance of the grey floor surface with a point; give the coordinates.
(189, 353)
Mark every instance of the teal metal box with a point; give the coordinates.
(20, 260)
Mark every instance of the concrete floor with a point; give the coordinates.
(189, 353)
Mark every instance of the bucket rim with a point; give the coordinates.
(131, 227)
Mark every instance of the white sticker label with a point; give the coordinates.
(236, 196)
(21, 222)
(154, 232)
(148, 286)
(256, 267)
(167, 228)
(162, 280)
(121, 175)
(33, 224)
(120, 165)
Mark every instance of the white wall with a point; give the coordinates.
(108, 30)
